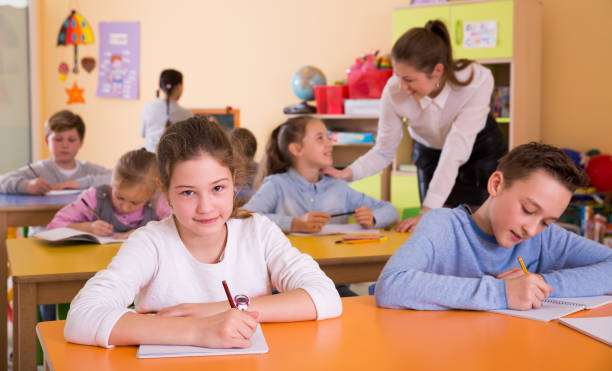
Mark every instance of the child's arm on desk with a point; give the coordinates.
(228, 329)
(383, 212)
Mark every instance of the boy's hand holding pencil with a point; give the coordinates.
(524, 290)
(311, 222)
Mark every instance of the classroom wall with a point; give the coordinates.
(239, 53)
(243, 54)
(576, 78)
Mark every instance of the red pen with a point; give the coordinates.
(229, 295)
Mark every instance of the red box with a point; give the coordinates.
(367, 84)
(330, 99)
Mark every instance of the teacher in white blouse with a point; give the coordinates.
(445, 105)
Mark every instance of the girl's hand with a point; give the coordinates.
(38, 186)
(101, 228)
(71, 184)
(364, 216)
(195, 310)
(344, 174)
(229, 329)
(510, 273)
(125, 235)
(311, 222)
(409, 224)
(526, 291)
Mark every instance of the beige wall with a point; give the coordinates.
(243, 53)
(576, 78)
(239, 53)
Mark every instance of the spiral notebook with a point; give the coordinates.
(553, 308)
(599, 328)
(258, 346)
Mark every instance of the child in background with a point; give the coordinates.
(160, 113)
(128, 203)
(296, 196)
(244, 142)
(64, 134)
(455, 259)
(174, 268)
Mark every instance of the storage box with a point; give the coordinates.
(368, 107)
(341, 137)
(330, 99)
(367, 84)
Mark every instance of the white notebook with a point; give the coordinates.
(553, 308)
(339, 229)
(258, 346)
(599, 328)
(70, 234)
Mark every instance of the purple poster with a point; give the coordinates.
(119, 60)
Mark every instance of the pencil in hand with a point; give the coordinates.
(342, 214)
(33, 171)
(90, 209)
(520, 260)
(229, 295)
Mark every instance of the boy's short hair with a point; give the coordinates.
(244, 141)
(65, 120)
(525, 159)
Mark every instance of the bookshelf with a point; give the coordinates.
(515, 61)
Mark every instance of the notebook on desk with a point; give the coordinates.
(553, 308)
(71, 234)
(258, 346)
(339, 229)
(599, 328)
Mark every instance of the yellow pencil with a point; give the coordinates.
(90, 209)
(523, 265)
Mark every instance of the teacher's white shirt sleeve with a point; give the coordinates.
(388, 138)
(470, 120)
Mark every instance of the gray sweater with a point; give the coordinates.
(87, 175)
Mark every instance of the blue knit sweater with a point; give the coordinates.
(449, 262)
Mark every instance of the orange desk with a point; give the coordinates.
(15, 211)
(45, 274)
(369, 338)
(350, 263)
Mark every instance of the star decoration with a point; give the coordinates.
(75, 94)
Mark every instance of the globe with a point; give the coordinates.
(304, 80)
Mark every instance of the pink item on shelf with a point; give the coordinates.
(367, 84)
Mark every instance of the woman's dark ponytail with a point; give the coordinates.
(168, 81)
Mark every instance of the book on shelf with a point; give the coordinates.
(70, 234)
(365, 107)
(340, 137)
(500, 102)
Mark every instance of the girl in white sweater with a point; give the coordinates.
(172, 270)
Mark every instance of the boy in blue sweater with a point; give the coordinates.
(455, 259)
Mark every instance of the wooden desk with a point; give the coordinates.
(370, 338)
(44, 274)
(350, 263)
(16, 211)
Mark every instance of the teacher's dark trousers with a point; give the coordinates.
(471, 183)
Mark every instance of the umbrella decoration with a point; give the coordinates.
(75, 30)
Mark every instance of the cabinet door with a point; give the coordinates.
(499, 11)
(405, 19)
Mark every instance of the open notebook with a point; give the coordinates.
(553, 308)
(258, 346)
(339, 229)
(70, 234)
(599, 328)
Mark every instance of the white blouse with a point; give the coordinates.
(450, 122)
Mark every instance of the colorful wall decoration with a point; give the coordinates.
(119, 60)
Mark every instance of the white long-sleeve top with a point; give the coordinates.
(154, 269)
(449, 122)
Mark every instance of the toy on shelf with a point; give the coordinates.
(303, 82)
(368, 76)
(599, 170)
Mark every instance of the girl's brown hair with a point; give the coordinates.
(277, 158)
(138, 167)
(424, 47)
(192, 138)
